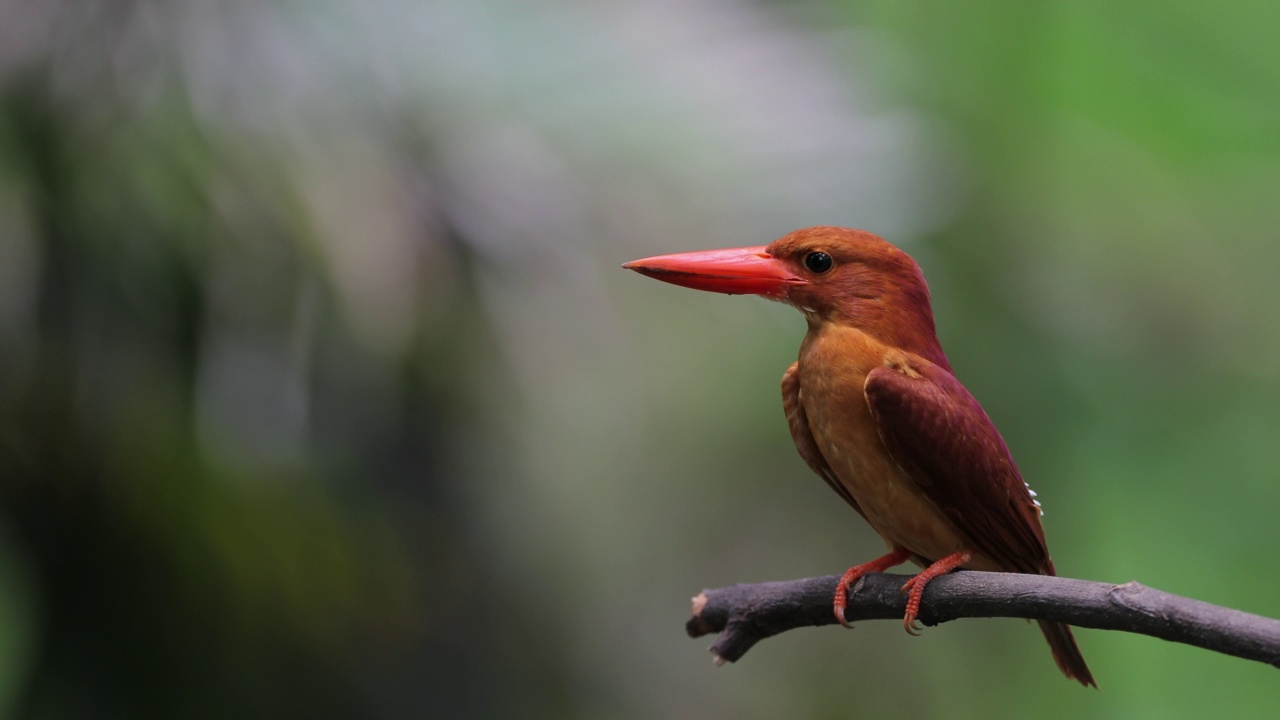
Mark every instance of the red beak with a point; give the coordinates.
(734, 271)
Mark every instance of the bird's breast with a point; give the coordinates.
(834, 364)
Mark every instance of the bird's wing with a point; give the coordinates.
(798, 421)
(939, 435)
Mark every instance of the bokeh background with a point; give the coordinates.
(322, 393)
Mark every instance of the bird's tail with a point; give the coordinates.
(1066, 653)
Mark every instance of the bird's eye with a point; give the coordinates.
(818, 262)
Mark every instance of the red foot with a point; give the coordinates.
(916, 586)
(897, 557)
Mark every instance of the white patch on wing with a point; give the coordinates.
(1034, 501)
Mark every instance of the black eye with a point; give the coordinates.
(817, 262)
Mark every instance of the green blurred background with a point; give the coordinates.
(322, 393)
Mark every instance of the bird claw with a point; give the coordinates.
(840, 619)
(853, 574)
(915, 587)
(910, 621)
(912, 625)
(840, 603)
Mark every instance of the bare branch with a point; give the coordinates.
(746, 614)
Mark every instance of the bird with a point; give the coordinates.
(876, 411)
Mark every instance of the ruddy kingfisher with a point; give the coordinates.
(876, 412)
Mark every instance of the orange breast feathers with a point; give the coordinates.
(833, 368)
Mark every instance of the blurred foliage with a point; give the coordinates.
(321, 393)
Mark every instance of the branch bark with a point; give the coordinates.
(747, 614)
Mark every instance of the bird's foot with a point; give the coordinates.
(915, 586)
(880, 564)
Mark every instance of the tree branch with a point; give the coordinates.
(746, 614)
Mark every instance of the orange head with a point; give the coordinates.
(831, 274)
